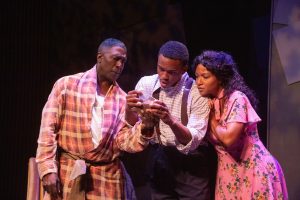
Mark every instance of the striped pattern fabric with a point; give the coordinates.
(66, 124)
(197, 110)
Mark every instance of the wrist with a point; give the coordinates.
(128, 124)
(147, 131)
(131, 119)
(173, 123)
(147, 127)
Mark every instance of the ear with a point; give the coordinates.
(185, 68)
(99, 56)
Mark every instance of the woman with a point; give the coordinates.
(246, 169)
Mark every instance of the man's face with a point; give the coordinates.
(169, 71)
(110, 63)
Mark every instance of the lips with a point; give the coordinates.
(163, 82)
(117, 73)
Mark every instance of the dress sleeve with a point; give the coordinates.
(239, 109)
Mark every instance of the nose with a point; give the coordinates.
(164, 75)
(199, 81)
(120, 64)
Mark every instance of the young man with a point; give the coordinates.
(78, 146)
(180, 157)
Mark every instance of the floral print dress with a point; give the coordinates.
(246, 170)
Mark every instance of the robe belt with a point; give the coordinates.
(79, 174)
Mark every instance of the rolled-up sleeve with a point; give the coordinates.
(130, 139)
(198, 114)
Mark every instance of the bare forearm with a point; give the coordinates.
(220, 133)
(131, 117)
(147, 131)
(181, 132)
(230, 133)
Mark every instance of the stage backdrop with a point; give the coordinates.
(284, 91)
(44, 40)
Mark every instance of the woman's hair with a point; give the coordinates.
(225, 69)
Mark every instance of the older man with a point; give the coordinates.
(78, 146)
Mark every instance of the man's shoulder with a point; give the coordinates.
(149, 78)
(69, 78)
(147, 82)
(78, 76)
(74, 76)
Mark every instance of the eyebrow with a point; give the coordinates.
(172, 70)
(202, 74)
(118, 56)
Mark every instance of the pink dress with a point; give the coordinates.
(247, 170)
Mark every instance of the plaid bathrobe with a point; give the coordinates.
(66, 126)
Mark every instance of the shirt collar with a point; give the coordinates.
(177, 86)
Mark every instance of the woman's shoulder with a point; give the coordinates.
(237, 94)
(239, 102)
(239, 97)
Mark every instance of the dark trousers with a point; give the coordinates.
(185, 177)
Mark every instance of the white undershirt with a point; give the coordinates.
(97, 117)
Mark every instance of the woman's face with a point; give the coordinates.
(207, 83)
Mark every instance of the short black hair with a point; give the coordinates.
(175, 50)
(111, 42)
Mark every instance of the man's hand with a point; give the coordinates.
(133, 103)
(52, 185)
(133, 100)
(161, 110)
(181, 132)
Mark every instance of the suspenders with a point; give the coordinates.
(188, 86)
(184, 115)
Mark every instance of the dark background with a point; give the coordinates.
(44, 40)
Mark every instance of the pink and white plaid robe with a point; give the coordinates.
(66, 122)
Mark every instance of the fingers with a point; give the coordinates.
(159, 107)
(134, 103)
(59, 188)
(52, 185)
(133, 100)
(52, 189)
(136, 92)
(55, 190)
(158, 102)
(132, 97)
(159, 113)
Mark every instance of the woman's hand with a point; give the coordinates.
(225, 135)
(212, 125)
